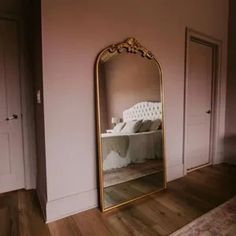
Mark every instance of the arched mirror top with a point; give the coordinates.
(130, 45)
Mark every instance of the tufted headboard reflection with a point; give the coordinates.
(143, 110)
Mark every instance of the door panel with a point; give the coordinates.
(11, 146)
(199, 90)
(5, 153)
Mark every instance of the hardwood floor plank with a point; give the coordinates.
(30, 217)
(117, 226)
(90, 223)
(64, 227)
(9, 201)
(179, 205)
(5, 223)
(136, 224)
(161, 216)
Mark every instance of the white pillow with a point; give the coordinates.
(156, 124)
(145, 126)
(118, 127)
(132, 126)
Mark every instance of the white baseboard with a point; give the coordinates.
(174, 172)
(219, 158)
(70, 205)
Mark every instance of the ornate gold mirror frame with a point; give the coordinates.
(131, 45)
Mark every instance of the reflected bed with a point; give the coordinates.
(120, 150)
(128, 156)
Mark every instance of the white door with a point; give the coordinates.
(198, 104)
(11, 147)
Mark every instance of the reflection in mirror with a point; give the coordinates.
(130, 124)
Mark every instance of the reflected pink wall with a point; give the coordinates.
(130, 79)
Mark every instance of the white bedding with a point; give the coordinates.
(121, 149)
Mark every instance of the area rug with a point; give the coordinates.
(220, 221)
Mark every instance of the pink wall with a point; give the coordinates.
(230, 132)
(73, 32)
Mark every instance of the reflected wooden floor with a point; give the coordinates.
(123, 192)
(131, 172)
(160, 214)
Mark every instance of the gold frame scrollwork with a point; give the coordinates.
(130, 45)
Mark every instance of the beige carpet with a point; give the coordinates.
(220, 221)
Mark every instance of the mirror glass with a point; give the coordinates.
(130, 124)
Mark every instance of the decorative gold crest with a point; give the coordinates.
(132, 46)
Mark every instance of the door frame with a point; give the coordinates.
(193, 35)
(27, 103)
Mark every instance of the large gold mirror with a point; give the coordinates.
(130, 128)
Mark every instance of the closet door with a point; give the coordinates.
(11, 146)
(199, 102)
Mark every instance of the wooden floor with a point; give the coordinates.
(160, 214)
